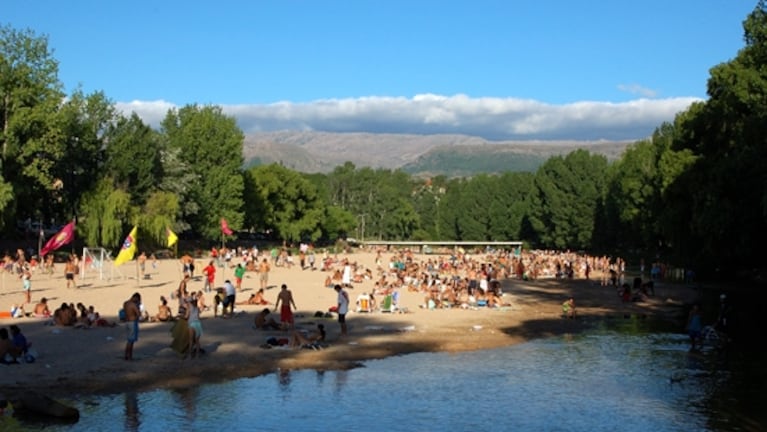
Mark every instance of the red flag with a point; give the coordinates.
(60, 239)
(225, 227)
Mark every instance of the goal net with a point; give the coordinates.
(97, 262)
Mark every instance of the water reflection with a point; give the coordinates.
(187, 399)
(599, 381)
(341, 378)
(132, 416)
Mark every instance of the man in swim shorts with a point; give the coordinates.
(343, 307)
(285, 298)
(132, 314)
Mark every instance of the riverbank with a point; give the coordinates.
(78, 361)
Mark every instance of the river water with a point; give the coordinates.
(600, 381)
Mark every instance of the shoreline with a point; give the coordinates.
(77, 362)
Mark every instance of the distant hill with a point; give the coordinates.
(451, 155)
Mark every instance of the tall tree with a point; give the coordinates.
(289, 204)
(86, 120)
(105, 211)
(133, 157)
(726, 187)
(210, 144)
(568, 190)
(31, 137)
(510, 205)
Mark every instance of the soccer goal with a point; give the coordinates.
(98, 262)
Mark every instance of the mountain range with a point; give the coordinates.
(419, 155)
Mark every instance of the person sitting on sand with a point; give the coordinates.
(41, 309)
(264, 322)
(8, 352)
(201, 303)
(19, 340)
(95, 319)
(298, 340)
(164, 313)
(256, 299)
(82, 316)
(568, 308)
(63, 317)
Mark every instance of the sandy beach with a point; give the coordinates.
(75, 361)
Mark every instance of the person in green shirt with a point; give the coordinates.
(239, 272)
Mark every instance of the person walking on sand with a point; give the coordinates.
(263, 273)
(142, 265)
(195, 325)
(132, 315)
(284, 302)
(70, 268)
(210, 276)
(343, 307)
(26, 284)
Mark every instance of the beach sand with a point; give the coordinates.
(82, 361)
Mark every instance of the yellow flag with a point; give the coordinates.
(172, 238)
(128, 249)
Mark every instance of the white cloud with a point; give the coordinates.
(490, 118)
(637, 89)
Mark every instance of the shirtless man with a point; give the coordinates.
(41, 309)
(142, 264)
(69, 273)
(264, 322)
(263, 273)
(188, 264)
(132, 314)
(285, 298)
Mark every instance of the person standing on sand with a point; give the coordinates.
(343, 307)
(210, 276)
(263, 273)
(239, 273)
(142, 264)
(188, 265)
(132, 314)
(694, 327)
(69, 272)
(285, 298)
(26, 284)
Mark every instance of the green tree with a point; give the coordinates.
(449, 209)
(724, 191)
(157, 215)
(85, 119)
(510, 204)
(565, 204)
(289, 204)
(133, 157)
(104, 214)
(426, 198)
(210, 144)
(337, 223)
(31, 136)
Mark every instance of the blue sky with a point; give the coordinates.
(498, 69)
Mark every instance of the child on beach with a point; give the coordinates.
(26, 284)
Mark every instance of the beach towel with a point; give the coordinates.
(181, 340)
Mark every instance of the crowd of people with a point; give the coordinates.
(453, 278)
